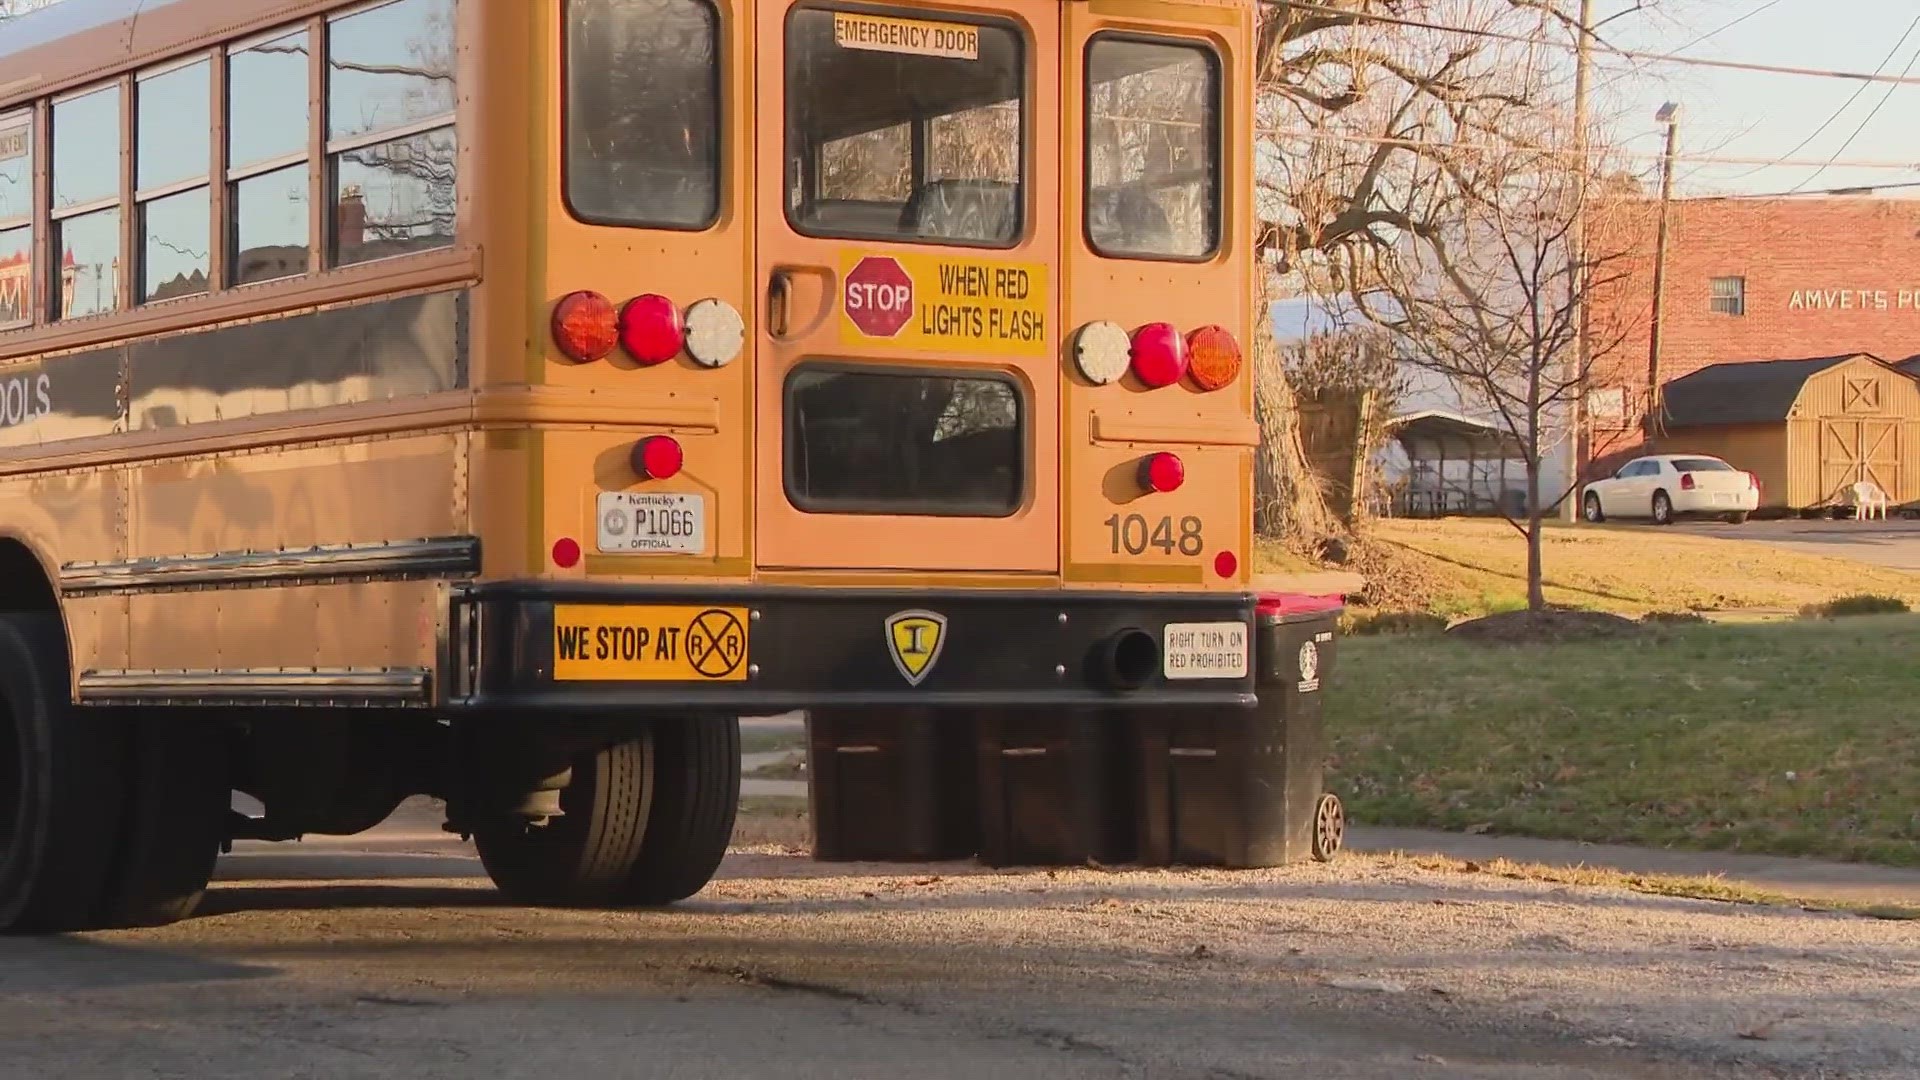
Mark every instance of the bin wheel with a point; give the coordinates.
(1329, 827)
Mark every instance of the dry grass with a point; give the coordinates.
(1473, 567)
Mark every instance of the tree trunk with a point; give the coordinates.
(1289, 502)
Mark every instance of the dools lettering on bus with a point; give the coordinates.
(24, 399)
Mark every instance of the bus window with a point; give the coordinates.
(891, 144)
(268, 235)
(86, 201)
(1153, 149)
(16, 219)
(173, 132)
(390, 105)
(885, 441)
(643, 112)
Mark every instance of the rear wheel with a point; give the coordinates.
(1737, 518)
(643, 820)
(62, 785)
(1662, 509)
(1594, 514)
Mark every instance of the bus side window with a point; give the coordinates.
(86, 202)
(16, 219)
(268, 235)
(643, 112)
(391, 145)
(173, 200)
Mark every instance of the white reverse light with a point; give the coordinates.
(1102, 351)
(715, 333)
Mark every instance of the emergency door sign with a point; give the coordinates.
(939, 303)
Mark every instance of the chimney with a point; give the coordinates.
(350, 219)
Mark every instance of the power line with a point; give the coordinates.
(1837, 113)
(1701, 40)
(1884, 98)
(1625, 54)
(1703, 159)
(1860, 189)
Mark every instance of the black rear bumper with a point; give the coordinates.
(816, 648)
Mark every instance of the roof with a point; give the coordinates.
(1755, 392)
(1440, 425)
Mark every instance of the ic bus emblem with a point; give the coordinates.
(915, 639)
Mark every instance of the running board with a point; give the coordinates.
(260, 686)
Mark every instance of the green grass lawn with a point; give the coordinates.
(1685, 737)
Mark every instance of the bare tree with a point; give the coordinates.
(1356, 114)
(10, 8)
(1492, 302)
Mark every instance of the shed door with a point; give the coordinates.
(1855, 450)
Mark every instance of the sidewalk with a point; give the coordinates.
(1805, 879)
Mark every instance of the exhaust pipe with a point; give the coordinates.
(1128, 660)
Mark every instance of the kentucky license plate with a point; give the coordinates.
(652, 523)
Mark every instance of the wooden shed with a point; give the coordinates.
(1809, 429)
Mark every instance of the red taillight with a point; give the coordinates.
(1159, 354)
(1213, 357)
(1226, 564)
(1162, 472)
(1686, 481)
(651, 329)
(566, 553)
(585, 326)
(658, 457)
(1753, 482)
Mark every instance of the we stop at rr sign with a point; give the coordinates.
(879, 296)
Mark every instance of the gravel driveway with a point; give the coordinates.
(387, 955)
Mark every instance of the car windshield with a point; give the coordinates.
(1701, 465)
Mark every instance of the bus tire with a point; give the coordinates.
(63, 781)
(696, 792)
(585, 856)
(176, 812)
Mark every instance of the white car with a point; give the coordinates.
(1667, 487)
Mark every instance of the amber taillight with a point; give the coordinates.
(585, 326)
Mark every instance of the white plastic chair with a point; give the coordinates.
(1869, 501)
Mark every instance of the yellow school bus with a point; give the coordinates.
(495, 400)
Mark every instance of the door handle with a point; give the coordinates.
(780, 300)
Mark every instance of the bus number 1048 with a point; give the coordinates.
(1134, 534)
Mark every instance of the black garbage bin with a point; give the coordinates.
(891, 785)
(1056, 788)
(1244, 787)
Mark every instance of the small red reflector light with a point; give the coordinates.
(566, 553)
(1159, 355)
(651, 329)
(658, 457)
(1162, 472)
(1226, 564)
(1213, 357)
(585, 327)
(1686, 481)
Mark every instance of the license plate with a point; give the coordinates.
(1206, 651)
(652, 523)
(654, 643)
(1723, 500)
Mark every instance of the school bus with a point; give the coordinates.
(496, 400)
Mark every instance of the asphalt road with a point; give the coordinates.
(388, 956)
(1893, 543)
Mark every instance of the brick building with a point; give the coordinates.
(1747, 280)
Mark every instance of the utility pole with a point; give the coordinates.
(1669, 115)
(1577, 273)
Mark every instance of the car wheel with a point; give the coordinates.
(1593, 512)
(1739, 518)
(1662, 509)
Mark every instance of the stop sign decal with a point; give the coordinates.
(879, 297)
